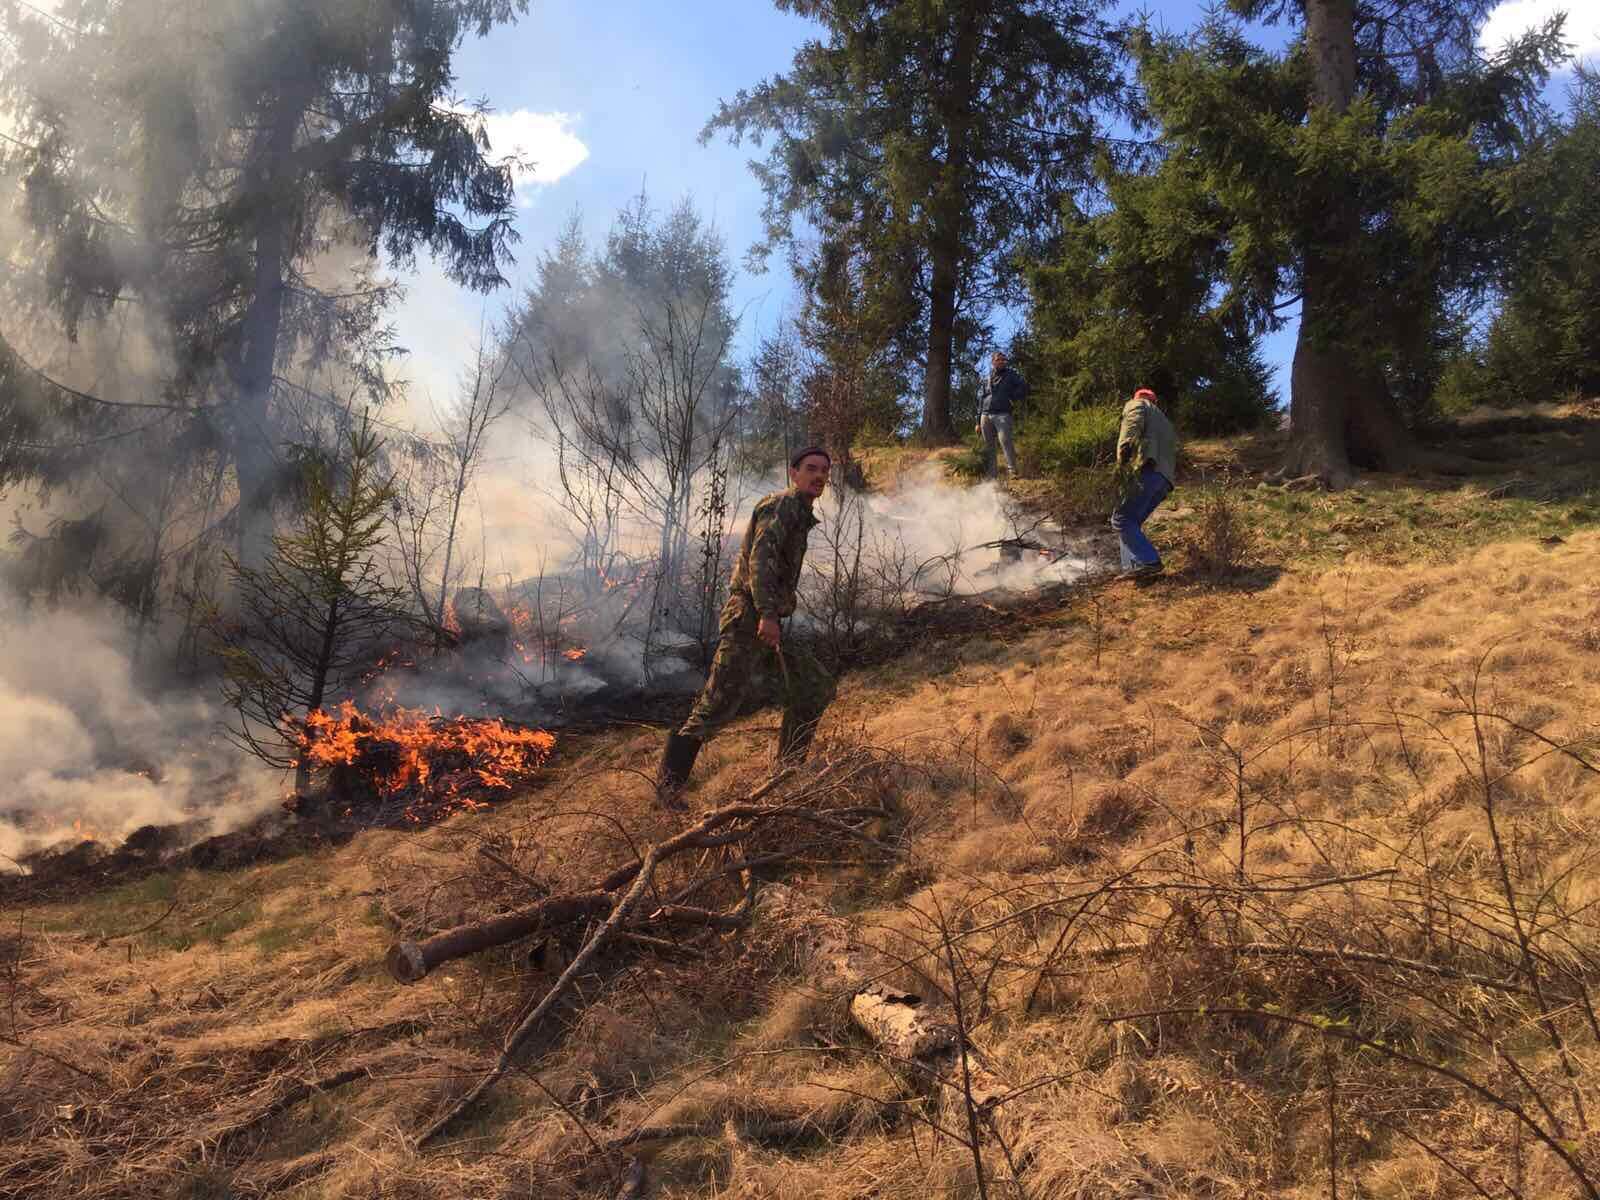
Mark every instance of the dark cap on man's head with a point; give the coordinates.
(802, 455)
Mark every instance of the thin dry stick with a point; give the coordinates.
(117, 937)
(1524, 940)
(633, 1185)
(973, 1136)
(95, 1076)
(1333, 1123)
(1326, 954)
(992, 1119)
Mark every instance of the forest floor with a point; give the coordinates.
(1280, 880)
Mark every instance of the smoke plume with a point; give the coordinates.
(87, 751)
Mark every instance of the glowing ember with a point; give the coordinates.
(573, 655)
(432, 765)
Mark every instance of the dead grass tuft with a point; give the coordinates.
(1223, 542)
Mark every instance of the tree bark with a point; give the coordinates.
(923, 1042)
(255, 453)
(937, 428)
(1336, 403)
(409, 962)
(948, 227)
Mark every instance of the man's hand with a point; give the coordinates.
(768, 631)
(977, 427)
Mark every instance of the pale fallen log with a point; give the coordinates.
(924, 1043)
(920, 1039)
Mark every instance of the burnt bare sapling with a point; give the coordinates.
(625, 353)
(308, 619)
(430, 494)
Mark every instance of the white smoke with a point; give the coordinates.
(951, 533)
(86, 752)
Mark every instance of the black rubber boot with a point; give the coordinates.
(794, 739)
(677, 760)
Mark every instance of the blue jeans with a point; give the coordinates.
(997, 426)
(1129, 517)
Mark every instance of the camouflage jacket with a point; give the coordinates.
(768, 568)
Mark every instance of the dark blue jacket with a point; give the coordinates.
(1001, 392)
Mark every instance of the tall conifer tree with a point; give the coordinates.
(938, 137)
(1360, 175)
(201, 156)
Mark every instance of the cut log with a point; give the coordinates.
(923, 1043)
(409, 962)
(919, 1039)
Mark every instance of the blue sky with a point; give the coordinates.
(608, 96)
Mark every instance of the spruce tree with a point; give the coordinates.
(1361, 176)
(938, 138)
(1544, 342)
(201, 157)
(308, 622)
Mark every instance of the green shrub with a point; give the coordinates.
(1223, 406)
(968, 464)
(1079, 437)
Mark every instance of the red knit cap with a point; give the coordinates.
(1144, 394)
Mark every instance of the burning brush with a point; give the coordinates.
(416, 767)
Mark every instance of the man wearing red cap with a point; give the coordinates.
(764, 590)
(1147, 450)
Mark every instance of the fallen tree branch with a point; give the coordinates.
(409, 962)
(728, 825)
(301, 1091)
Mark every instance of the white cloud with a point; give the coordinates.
(1515, 17)
(545, 141)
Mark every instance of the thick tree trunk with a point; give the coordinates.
(1337, 405)
(1331, 46)
(948, 205)
(255, 452)
(936, 427)
(319, 691)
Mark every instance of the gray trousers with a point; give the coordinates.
(997, 425)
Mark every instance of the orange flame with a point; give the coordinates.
(438, 761)
(573, 655)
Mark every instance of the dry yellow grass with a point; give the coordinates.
(1028, 778)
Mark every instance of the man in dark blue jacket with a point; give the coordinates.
(999, 397)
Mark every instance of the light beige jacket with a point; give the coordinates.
(1147, 436)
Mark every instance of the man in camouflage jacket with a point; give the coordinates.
(763, 591)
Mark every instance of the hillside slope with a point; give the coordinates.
(1279, 888)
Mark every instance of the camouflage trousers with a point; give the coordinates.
(802, 682)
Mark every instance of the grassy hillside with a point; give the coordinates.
(1282, 883)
